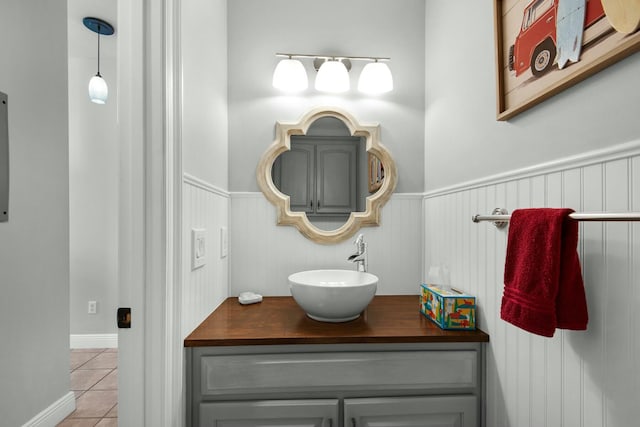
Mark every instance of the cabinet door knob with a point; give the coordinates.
(353, 422)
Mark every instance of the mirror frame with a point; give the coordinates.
(356, 220)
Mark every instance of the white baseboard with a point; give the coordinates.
(93, 341)
(55, 413)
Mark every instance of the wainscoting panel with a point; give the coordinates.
(581, 379)
(264, 254)
(203, 288)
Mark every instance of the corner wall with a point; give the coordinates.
(463, 140)
(34, 243)
(203, 122)
(536, 159)
(204, 288)
(204, 116)
(264, 255)
(257, 30)
(576, 378)
(93, 203)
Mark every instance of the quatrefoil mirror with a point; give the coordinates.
(327, 175)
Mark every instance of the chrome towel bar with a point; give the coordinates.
(500, 217)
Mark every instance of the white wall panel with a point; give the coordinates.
(203, 289)
(583, 379)
(593, 266)
(263, 254)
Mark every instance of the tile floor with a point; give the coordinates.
(94, 380)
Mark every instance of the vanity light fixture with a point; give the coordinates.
(333, 73)
(98, 89)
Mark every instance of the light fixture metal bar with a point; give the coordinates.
(354, 58)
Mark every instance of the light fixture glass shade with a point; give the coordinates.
(98, 90)
(375, 79)
(332, 77)
(290, 76)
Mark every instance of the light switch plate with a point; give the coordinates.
(224, 242)
(198, 248)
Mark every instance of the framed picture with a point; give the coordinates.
(376, 173)
(546, 46)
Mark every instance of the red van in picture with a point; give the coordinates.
(535, 45)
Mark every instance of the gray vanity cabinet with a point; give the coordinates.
(338, 385)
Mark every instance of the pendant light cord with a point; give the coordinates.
(98, 51)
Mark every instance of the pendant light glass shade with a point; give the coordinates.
(332, 77)
(290, 76)
(375, 79)
(98, 90)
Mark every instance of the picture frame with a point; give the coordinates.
(527, 74)
(376, 173)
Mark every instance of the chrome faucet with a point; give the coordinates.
(360, 257)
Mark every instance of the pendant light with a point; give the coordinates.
(98, 89)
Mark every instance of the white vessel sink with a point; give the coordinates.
(333, 295)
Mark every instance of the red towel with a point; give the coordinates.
(543, 288)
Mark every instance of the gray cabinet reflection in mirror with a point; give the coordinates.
(316, 175)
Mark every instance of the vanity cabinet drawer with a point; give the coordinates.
(447, 371)
(436, 411)
(260, 413)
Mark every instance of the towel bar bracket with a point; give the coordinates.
(498, 223)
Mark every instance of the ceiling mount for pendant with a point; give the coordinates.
(97, 25)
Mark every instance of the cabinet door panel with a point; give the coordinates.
(294, 174)
(270, 413)
(437, 411)
(336, 184)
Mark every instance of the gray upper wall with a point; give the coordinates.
(257, 29)
(34, 243)
(203, 58)
(463, 139)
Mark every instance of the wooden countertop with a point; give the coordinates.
(279, 320)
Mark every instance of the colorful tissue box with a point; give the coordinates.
(448, 308)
